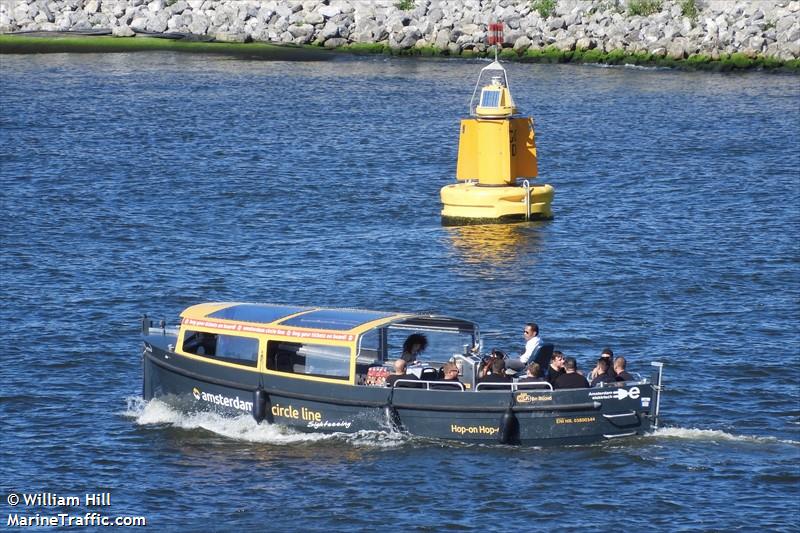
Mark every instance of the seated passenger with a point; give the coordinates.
(556, 367)
(450, 371)
(571, 379)
(619, 370)
(486, 367)
(399, 373)
(532, 342)
(533, 375)
(608, 355)
(603, 374)
(497, 372)
(413, 346)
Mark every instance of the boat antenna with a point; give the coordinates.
(496, 36)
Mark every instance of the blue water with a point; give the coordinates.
(149, 182)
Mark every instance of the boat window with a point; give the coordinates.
(230, 348)
(309, 359)
(336, 319)
(260, 313)
(442, 344)
(370, 347)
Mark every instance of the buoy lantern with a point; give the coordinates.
(496, 149)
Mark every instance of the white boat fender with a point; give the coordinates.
(509, 428)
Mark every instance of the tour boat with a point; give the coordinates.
(324, 370)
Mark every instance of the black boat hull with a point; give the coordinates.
(539, 418)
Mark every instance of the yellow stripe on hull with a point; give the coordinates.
(470, 202)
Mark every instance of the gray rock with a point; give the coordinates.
(116, 9)
(522, 44)
(658, 51)
(555, 23)
(158, 23)
(48, 13)
(301, 30)
(442, 39)
(566, 44)
(411, 35)
(199, 25)
(585, 43)
(757, 43)
(179, 23)
(670, 31)
(283, 11)
(425, 28)
(513, 23)
(81, 22)
(314, 18)
(469, 29)
(329, 11)
(676, 49)
(685, 26)
(178, 7)
(783, 25)
(329, 31)
(336, 42)
(773, 50)
(372, 32)
(122, 31)
(231, 37)
(572, 19)
(792, 35)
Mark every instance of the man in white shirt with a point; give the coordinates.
(532, 342)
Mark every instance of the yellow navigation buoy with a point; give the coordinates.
(496, 149)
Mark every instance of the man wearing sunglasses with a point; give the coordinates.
(532, 342)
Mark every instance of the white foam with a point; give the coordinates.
(245, 428)
(715, 435)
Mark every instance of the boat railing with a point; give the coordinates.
(658, 387)
(511, 386)
(533, 385)
(637, 380)
(428, 385)
(148, 324)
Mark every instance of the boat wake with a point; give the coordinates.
(244, 428)
(716, 435)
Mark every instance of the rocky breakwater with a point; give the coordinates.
(677, 29)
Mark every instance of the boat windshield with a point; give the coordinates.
(446, 338)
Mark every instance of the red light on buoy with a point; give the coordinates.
(496, 33)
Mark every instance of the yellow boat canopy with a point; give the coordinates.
(318, 322)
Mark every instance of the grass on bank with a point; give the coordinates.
(20, 44)
(726, 62)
